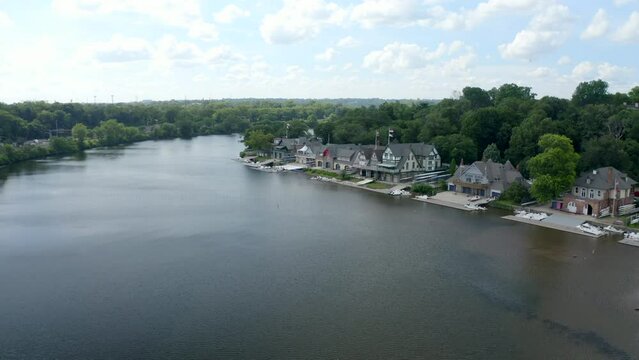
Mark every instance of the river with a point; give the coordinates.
(170, 249)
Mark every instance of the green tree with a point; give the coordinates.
(605, 151)
(453, 167)
(491, 153)
(511, 91)
(258, 140)
(554, 169)
(517, 193)
(477, 97)
(592, 92)
(60, 145)
(79, 133)
(454, 147)
(633, 95)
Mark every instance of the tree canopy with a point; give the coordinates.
(554, 169)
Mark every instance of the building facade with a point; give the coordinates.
(485, 178)
(599, 192)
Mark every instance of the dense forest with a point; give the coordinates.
(505, 123)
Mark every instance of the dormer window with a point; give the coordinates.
(588, 181)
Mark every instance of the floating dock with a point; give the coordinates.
(551, 225)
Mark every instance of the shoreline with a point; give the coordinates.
(453, 205)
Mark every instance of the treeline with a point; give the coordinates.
(113, 124)
(33, 120)
(505, 123)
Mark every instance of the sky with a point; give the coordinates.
(89, 50)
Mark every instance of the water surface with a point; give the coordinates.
(170, 249)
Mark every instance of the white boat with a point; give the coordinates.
(422, 197)
(590, 229)
(631, 236)
(398, 192)
(475, 198)
(530, 215)
(474, 207)
(613, 229)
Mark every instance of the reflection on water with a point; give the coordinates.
(171, 249)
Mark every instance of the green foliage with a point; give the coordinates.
(423, 189)
(258, 140)
(61, 145)
(492, 153)
(592, 92)
(454, 147)
(320, 172)
(477, 97)
(453, 167)
(378, 186)
(517, 193)
(605, 151)
(553, 170)
(79, 133)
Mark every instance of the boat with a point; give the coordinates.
(475, 198)
(422, 197)
(398, 192)
(530, 215)
(612, 229)
(474, 207)
(631, 236)
(590, 229)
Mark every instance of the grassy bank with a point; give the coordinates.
(378, 186)
(503, 204)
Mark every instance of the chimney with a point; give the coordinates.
(609, 175)
(594, 172)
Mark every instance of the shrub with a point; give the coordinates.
(423, 189)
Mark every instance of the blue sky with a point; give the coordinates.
(65, 50)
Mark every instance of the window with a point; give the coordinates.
(583, 192)
(592, 194)
(576, 190)
(599, 193)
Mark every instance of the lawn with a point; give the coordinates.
(378, 186)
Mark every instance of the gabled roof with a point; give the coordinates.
(500, 176)
(604, 179)
(419, 149)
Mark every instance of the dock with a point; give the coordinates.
(452, 200)
(550, 225)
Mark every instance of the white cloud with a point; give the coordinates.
(629, 31)
(623, 2)
(299, 20)
(613, 73)
(583, 70)
(371, 13)
(542, 72)
(587, 70)
(326, 55)
(546, 31)
(119, 49)
(230, 13)
(177, 13)
(203, 30)
(398, 56)
(441, 18)
(598, 26)
(5, 20)
(564, 60)
(347, 42)
(200, 78)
